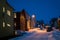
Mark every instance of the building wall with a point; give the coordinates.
(1, 19)
(23, 23)
(6, 20)
(28, 21)
(28, 24)
(18, 21)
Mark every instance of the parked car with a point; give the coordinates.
(49, 28)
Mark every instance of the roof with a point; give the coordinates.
(26, 14)
(23, 12)
(9, 5)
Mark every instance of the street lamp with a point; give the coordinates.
(33, 21)
(33, 16)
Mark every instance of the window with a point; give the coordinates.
(3, 24)
(15, 32)
(15, 24)
(8, 25)
(8, 12)
(14, 15)
(3, 9)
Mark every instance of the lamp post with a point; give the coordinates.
(33, 21)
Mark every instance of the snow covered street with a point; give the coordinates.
(36, 34)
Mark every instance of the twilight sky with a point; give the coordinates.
(43, 9)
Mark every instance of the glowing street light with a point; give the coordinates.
(33, 16)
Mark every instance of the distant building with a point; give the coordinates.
(28, 21)
(22, 21)
(6, 19)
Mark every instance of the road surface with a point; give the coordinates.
(36, 34)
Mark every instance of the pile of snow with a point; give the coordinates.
(56, 34)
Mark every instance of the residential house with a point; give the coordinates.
(22, 21)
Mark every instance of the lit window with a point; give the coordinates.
(15, 32)
(8, 25)
(15, 24)
(28, 24)
(22, 18)
(8, 12)
(3, 9)
(3, 24)
(14, 15)
(58, 18)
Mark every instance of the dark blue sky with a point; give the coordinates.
(43, 9)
